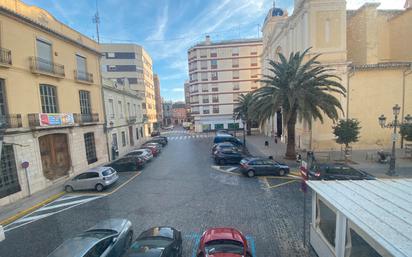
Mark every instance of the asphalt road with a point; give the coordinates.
(181, 189)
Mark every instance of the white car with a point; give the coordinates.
(169, 127)
(144, 153)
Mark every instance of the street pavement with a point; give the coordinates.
(180, 188)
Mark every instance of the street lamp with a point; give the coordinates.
(394, 124)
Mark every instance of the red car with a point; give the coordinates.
(223, 242)
(154, 150)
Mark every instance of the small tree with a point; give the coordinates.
(406, 131)
(347, 132)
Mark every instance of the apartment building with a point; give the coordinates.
(158, 99)
(187, 100)
(167, 112)
(50, 101)
(365, 47)
(131, 64)
(219, 73)
(124, 117)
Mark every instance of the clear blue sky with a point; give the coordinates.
(167, 28)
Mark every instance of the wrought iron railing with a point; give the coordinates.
(40, 65)
(131, 119)
(81, 118)
(10, 121)
(5, 56)
(83, 76)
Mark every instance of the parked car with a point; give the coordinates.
(155, 133)
(158, 146)
(157, 140)
(110, 237)
(262, 166)
(127, 163)
(154, 149)
(157, 242)
(336, 171)
(96, 178)
(227, 138)
(223, 132)
(144, 153)
(161, 137)
(223, 242)
(227, 156)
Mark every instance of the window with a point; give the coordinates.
(253, 50)
(114, 140)
(235, 51)
(90, 147)
(235, 63)
(84, 102)
(206, 110)
(120, 105)
(253, 61)
(111, 67)
(48, 99)
(81, 67)
(233, 125)
(44, 53)
(205, 99)
(235, 74)
(326, 221)
(214, 75)
(110, 55)
(121, 55)
(123, 138)
(9, 181)
(215, 98)
(327, 30)
(215, 88)
(253, 73)
(3, 110)
(111, 108)
(205, 88)
(121, 68)
(132, 80)
(128, 110)
(219, 126)
(213, 64)
(204, 76)
(137, 133)
(203, 53)
(193, 77)
(141, 131)
(216, 109)
(213, 52)
(359, 247)
(236, 86)
(203, 65)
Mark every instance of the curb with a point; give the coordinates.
(30, 209)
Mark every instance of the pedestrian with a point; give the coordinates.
(266, 143)
(276, 139)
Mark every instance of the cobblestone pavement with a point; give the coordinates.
(181, 189)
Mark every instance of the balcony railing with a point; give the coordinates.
(131, 119)
(205, 101)
(83, 76)
(10, 121)
(82, 118)
(5, 56)
(215, 100)
(194, 101)
(42, 66)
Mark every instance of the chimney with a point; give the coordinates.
(207, 40)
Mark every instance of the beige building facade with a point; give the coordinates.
(158, 101)
(365, 48)
(131, 64)
(50, 101)
(219, 72)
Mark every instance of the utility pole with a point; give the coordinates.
(96, 20)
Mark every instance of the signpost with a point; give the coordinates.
(25, 165)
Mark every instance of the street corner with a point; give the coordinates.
(124, 179)
(228, 169)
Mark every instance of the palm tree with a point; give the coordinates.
(302, 90)
(242, 110)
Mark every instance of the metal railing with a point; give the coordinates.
(40, 65)
(131, 119)
(5, 56)
(83, 76)
(82, 118)
(10, 121)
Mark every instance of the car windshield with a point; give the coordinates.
(224, 246)
(107, 172)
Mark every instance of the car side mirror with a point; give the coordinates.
(114, 239)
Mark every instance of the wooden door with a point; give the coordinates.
(55, 155)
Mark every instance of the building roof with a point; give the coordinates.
(382, 208)
(382, 65)
(228, 42)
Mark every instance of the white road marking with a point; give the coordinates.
(67, 204)
(34, 217)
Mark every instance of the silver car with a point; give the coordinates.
(96, 178)
(109, 238)
(145, 153)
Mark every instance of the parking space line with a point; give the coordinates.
(67, 204)
(251, 241)
(125, 183)
(225, 171)
(289, 177)
(282, 184)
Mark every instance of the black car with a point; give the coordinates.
(161, 141)
(157, 242)
(227, 156)
(127, 163)
(155, 133)
(161, 137)
(336, 171)
(262, 166)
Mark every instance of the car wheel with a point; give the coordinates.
(250, 173)
(68, 189)
(128, 241)
(282, 172)
(99, 187)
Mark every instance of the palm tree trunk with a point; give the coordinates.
(249, 127)
(290, 147)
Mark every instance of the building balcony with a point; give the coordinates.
(131, 119)
(50, 119)
(83, 77)
(5, 57)
(215, 100)
(81, 118)
(10, 121)
(194, 91)
(45, 67)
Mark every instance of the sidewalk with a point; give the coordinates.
(13, 211)
(362, 159)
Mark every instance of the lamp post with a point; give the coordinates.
(394, 124)
(244, 133)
